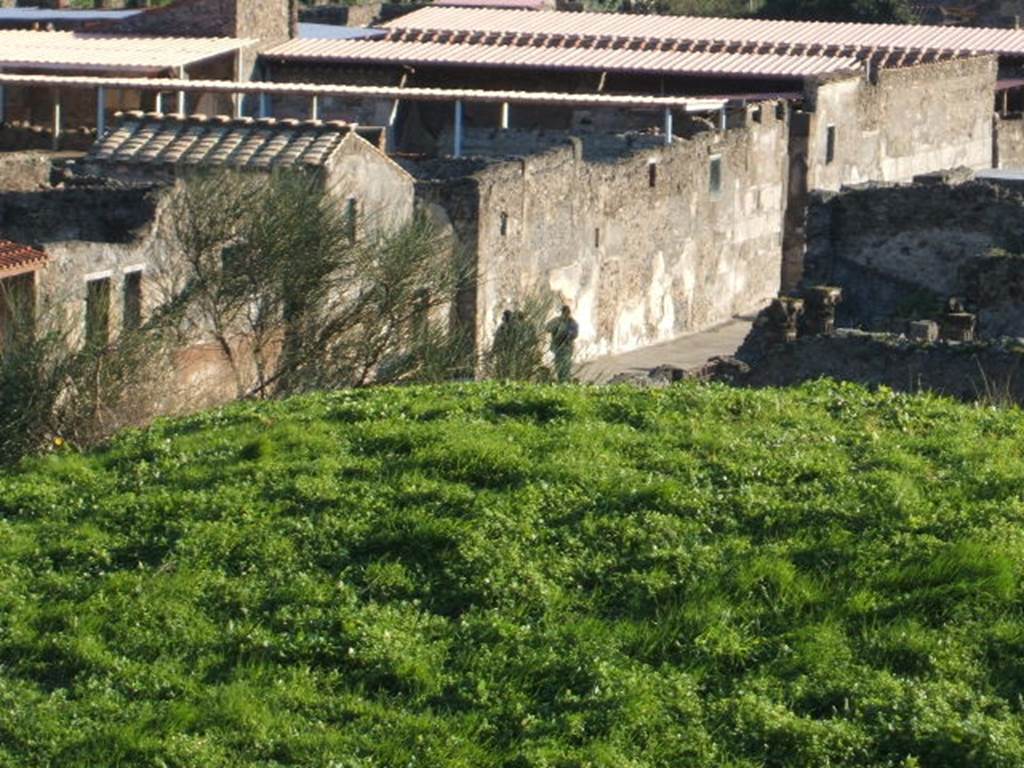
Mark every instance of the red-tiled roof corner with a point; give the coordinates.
(16, 258)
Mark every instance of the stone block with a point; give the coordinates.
(923, 330)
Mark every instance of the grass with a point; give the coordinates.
(510, 576)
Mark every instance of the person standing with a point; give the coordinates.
(564, 330)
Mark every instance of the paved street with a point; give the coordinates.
(688, 352)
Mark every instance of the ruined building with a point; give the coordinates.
(652, 172)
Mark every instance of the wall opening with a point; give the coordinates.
(503, 224)
(351, 219)
(780, 111)
(597, 237)
(97, 312)
(652, 174)
(715, 175)
(830, 144)
(17, 309)
(131, 316)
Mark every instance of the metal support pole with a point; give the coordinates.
(56, 119)
(182, 102)
(158, 102)
(457, 149)
(239, 104)
(668, 125)
(264, 105)
(504, 115)
(723, 121)
(101, 111)
(314, 107)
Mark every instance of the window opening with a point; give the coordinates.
(97, 312)
(715, 174)
(830, 144)
(132, 313)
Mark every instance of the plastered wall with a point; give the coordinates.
(639, 256)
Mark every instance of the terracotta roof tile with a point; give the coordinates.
(157, 139)
(15, 257)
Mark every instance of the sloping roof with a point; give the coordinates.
(16, 258)
(391, 92)
(81, 51)
(616, 29)
(158, 139)
(594, 59)
(529, 5)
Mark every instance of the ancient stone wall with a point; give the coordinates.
(381, 191)
(968, 371)
(911, 121)
(899, 249)
(1010, 142)
(900, 123)
(643, 244)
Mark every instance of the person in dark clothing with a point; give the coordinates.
(564, 330)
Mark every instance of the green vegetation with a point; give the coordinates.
(514, 576)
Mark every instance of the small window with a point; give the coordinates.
(97, 312)
(652, 174)
(132, 314)
(780, 110)
(597, 237)
(503, 225)
(352, 219)
(830, 144)
(715, 175)
(755, 114)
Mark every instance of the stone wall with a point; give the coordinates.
(635, 242)
(382, 191)
(904, 122)
(898, 249)
(967, 371)
(909, 121)
(1010, 142)
(25, 171)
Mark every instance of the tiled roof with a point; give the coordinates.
(239, 143)
(529, 5)
(16, 258)
(81, 51)
(530, 57)
(616, 30)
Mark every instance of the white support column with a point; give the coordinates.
(457, 148)
(504, 115)
(56, 119)
(723, 121)
(314, 107)
(182, 101)
(101, 111)
(264, 105)
(668, 125)
(158, 102)
(239, 104)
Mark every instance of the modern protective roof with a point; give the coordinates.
(529, 5)
(338, 32)
(81, 51)
(16, 258)
(65, 14)
(389, 92)
(157, 139)
(595, 59)
(616, 30)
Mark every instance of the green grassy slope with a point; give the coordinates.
(490, 575)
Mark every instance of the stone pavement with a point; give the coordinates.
(688, 352)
